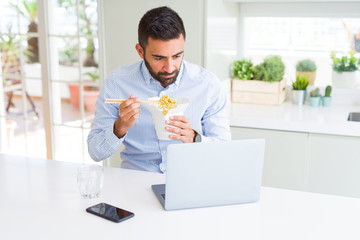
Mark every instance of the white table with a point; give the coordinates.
(39, 200)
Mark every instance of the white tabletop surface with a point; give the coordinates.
(291, 117)
(39, 200)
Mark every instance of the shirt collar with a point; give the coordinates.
(179, 77)
(146, 73)
(148, 78)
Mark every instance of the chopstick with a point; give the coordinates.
(112, 100)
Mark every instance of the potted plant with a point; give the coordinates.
(271, 70)
(262, 84)
(242, 69)
(314, 97)
(91, 92)
(345, 70)
(307, 67)
(299, 89)
(326, 100)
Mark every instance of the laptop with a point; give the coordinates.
(212, 174)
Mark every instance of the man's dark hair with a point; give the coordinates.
(160, 23)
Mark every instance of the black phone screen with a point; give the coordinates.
(110, 212)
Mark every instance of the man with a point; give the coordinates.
(161, 36)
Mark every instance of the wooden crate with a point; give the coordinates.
(258, 92)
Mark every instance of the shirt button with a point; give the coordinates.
(164, 152)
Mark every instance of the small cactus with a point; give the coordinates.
(315, 93)
(327, 91)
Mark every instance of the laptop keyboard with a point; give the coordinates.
(163, 195)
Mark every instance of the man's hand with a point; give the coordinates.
(185, 131)
(129, 113)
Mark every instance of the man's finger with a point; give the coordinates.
(184, 139)
(135, 99)
(129, 111)
(179, 118)
(174, 130)
(176, 137)
(178, 124)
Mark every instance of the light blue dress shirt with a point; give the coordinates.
(208, 112)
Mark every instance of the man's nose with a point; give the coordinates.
(169, 66)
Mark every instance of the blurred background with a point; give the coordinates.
(56, 54)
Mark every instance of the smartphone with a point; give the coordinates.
(110, 212)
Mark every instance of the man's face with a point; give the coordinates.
(163, 59)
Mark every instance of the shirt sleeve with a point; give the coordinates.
(215, 122)
(102, 142)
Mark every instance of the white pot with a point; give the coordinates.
(346, 79)
(299, 97)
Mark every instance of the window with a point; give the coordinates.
(294, 30)
(27, 117)
(74, 78)
(22, 129)
(295, 38)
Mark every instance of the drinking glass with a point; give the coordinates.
(90, 180)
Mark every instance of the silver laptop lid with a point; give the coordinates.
(213, 173)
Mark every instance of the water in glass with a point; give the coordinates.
(90, 180)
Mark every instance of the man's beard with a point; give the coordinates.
(161, 76)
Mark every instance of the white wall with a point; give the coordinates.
(221, 36)
(121, 23)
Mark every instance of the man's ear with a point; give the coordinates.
(140, 50)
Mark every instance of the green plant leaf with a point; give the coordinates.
(242, 69)
(306, 65)
(345, 63)
(271, 70)
(301, 83)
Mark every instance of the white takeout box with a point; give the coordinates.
(159, 118)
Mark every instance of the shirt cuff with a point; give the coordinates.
(111, 138)
(205, 139)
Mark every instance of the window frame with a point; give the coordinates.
(44, 9)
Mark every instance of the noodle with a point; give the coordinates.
(166, 103)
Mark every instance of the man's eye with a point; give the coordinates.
(158, 58)
(177, 56)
